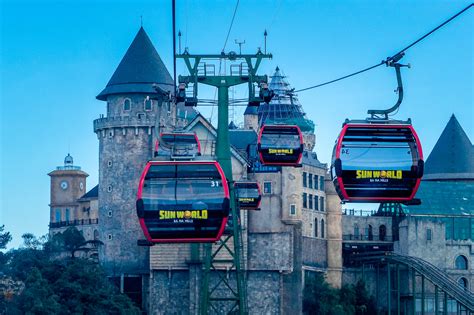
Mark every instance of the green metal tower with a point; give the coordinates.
(228, 293)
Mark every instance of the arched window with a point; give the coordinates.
(382, 232)
(356, 232)
(316, 227)
(127, 105)
(371, 233)
(148, 104)
(463, 282)
(58, 215)
(322, 228)
(461, 262)
(67, 215)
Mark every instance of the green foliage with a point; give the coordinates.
(5, 237)
(61, 285)
(72, 241)
(319, 298)
(365, 304)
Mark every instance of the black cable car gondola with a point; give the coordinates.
(280, 145)
(178, 145)
(183, 201)
(248, 195)
(375, 162)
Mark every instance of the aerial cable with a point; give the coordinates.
(231, 24)
(389, 59)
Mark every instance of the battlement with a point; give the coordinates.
(142, 120)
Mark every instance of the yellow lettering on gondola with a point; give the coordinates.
(397, 174)
(183, 214)
(280, 151)
(246, 199)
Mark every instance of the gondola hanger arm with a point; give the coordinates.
(391, 62)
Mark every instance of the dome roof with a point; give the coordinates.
(284, 107)
(68, 160)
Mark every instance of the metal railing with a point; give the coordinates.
(439, 278)
(73, 223)
(370, 238)
(359, 212)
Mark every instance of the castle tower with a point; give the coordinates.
(285, 108)
(137, 111)
(68, 184)
(251, 118)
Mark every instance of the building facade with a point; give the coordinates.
(300, 228)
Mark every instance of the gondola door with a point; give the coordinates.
(183, 201)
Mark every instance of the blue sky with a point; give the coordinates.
(56, 56)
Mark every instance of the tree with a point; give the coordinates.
(61, 285)
(5, 237)
(37, 297)
(318, 296)
(72, 241)
(364, 303)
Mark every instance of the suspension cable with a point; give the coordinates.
(390, 58)
(231, 24)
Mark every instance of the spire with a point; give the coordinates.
(284, 107)
(140, 68)
(452, 156)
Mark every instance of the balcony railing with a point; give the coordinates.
(359, 212)
(141, 120)
(73, 223)
(367, 238)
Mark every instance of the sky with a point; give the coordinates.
(56, 56)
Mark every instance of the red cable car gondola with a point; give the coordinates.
(183, 201)
(248, 195)
(376, 162)
(280, 145)
(178, 145)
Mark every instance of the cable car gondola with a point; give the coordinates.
(376, 162)
(248, 195)
(280, 145)
(178, 145)
(183, 201)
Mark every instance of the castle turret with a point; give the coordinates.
(251, 118)
(136, 111)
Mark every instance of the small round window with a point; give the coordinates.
(127, 105)
(109, 163)
(109, 188)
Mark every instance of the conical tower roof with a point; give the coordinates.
(453, 155)
(284, 107)
(140, 68)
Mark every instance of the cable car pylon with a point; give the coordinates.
(216, 292)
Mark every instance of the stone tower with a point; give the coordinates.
(137, 111)
(68, 184)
